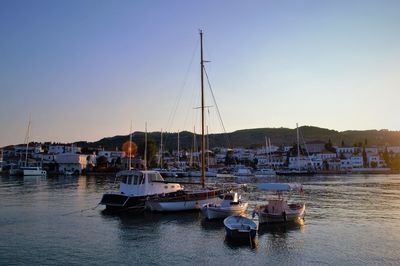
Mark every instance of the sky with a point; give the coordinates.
(84, 70)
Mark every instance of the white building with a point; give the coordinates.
(22, 150)
(394, 149)
(56, 149)
(272, 161)
(301, 162)
(375, 161)
(352, 162)
(72, 162)
(110, 155)
(325, 155)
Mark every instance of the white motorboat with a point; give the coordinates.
(32, 171)
(135, 188)
(278, 210)
(241, 170)
(265, 172)
(198, 174)
(230, 205)
(239, 227)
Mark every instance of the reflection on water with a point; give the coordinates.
(349, 219)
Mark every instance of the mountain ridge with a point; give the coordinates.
(253, 138)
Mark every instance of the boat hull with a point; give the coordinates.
(185, 201)
(289, 216)
(295, 173)
(212, 211)
(238, 227)
(119, 202)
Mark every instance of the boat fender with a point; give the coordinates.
(284, 216)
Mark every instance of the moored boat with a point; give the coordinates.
(231, 204)
(192, 199)
(239, 227)
(135, 188)
(277, 209)
(241, 170)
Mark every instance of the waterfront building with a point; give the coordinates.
(111, 155)
(394, 149)
(72, 162)
(21, 150)
(301, 162)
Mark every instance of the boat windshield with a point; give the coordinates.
(135, 179)
(154, 177)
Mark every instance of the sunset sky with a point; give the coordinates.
(84, 70)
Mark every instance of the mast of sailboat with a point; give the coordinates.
(178, 151)
(161, 150)
(27, 141)
(130, 147)
(298, 147)
(202, 112)
(145, 147)
(192, 163)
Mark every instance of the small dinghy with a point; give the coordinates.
(239, 227)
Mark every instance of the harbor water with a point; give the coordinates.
(350, 219)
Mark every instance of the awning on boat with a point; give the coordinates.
(280, 186)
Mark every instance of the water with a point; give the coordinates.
(351, 219)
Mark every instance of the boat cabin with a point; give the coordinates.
(276, 206)
(144, 183)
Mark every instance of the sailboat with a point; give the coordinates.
(26, 170)
(184, 199)
(298, 171)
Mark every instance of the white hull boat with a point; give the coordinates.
(136, 187)
(230, 205)
(183, 201)
(265, 172)
(239, 227)
(277, 210)
(33, 171)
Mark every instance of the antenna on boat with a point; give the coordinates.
(202, 111)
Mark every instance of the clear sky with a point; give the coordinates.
(84, 69)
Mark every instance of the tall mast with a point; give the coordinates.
(161, 151)
(298, 147)
(208, 149)
(27, 141)
(178, 149)
(202, 111)
(145, 147)
(130, 147)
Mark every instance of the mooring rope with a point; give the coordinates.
(80, 211)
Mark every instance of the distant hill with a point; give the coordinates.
(253, 138)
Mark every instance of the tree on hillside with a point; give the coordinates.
(151, 152)
(102, 162)
(229, 158)
(329, 146)
(365, 159)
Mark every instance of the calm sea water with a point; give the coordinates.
(351, 219)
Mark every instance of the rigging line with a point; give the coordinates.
(218, 112)
(305, 147)
(175, 108)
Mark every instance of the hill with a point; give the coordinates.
(253, 138)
